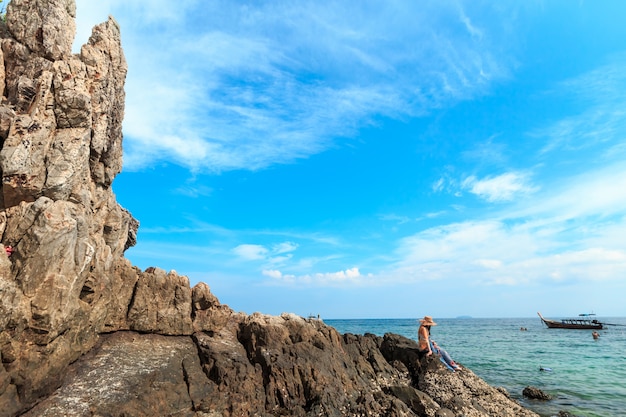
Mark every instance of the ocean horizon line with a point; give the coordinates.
(461, 317)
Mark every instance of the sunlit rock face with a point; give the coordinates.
(66, 280)
(83, 332)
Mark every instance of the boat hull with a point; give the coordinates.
(580, 324)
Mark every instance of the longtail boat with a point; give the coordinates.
(584, 324)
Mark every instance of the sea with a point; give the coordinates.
(585, 376)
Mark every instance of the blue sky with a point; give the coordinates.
(378, 159)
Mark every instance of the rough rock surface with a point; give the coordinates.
(83, 332)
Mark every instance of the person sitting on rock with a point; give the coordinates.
(8, 250)
(444, 355)
(427, 346)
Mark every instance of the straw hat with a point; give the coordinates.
(428, 321)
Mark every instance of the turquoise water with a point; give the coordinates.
(587, 377)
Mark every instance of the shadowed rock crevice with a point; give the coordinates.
(131, 302)
(87, 293)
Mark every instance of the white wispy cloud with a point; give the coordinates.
(276, 254)
(194, 190)
(494, 253)
(602, 119)
(597, 193)
(571, 231)
(285, 247)
(219, 85)
(251, 252)
(351, 276)
(504, 187)
(395, 218)
(273, 273)
(438, 185)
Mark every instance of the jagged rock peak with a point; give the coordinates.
(66, 279)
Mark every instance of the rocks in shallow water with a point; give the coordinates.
(535, 393)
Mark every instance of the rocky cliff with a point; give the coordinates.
(83, 332)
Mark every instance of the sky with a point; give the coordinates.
(378, 159)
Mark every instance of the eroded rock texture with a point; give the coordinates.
(268, 366)
(83, 332)
(60, 136)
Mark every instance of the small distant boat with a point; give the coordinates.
(583, 324)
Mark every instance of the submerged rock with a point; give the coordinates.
(536, 394)
(83, 332)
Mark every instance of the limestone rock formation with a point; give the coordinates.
(83, 332)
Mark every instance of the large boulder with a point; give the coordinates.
(131, 374)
